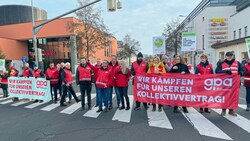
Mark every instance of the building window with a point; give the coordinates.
(246, 31)
(221, 55)
(234, 35)
(203, 42)
(240, 33)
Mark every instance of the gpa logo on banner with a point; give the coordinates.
(40, 84)
(218, 84)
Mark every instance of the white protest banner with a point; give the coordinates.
(31, 88)
(188, 41)
(159, 46)
(248, 46)
(2, 64)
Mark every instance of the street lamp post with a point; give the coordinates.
(34, 40)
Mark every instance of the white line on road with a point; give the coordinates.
(92, 113)
(53, 106)
(19, 103)
(243, 106)
(239, 120)
(124, 115)
(7, 101)
(203, 125)
(158, 119)
(34, 105)
(71, 109)
(4, 98)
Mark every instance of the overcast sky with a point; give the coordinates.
(142, 19)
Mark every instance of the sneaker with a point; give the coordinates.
(232, 113)
(98, 111)
(223, 113)
(121, 108)
(137, 108)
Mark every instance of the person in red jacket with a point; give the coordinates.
(99, 65)
(27, 71)
(67, 81)
(247, 83)
(13, 73)
(52, 74)
(204, 68)
(156, 67)
(37, 73)
(83, 78)
(112, 66)
(4, 83)
(103, 83)
(122, 76)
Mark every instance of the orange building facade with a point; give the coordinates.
(53, 40)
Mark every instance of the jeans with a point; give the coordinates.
(118, 99)
(103, 96)
(69, 94)
(87, 89)
(65, 90)
(54, 87)
(97, 95)
(5, 92)
(123, 91)
(248, 96)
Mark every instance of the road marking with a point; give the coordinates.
(239, 120)
(53, 106)
(242, 98)
(71, 109)
(124, 115)
(92, 113)
(34, 105)
(4, 98)
(158, 119)
(19, 103)
(203, 125)
(243, 106)
(7, 101)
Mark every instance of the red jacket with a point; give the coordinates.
(67, 77)
(4, 79)
(140, 68)
(95, 74)
(121, 79)
(52, 74)
(247, 75)
(205, 70)
(37, 73)
(112, 70)
(27, 72)
(103, 80)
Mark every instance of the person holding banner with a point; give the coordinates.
(27, 72)
(122, 76)
(4, 82)
(37, 73)
(67, 84)
(13, 73)
(52, 74)
(204, 68)
(60, 86)
(139, 67)
(229, 66)
(167, 65)
(83, 78)
(247, 83)
(156, 67)
(179, 67)
(103, 83)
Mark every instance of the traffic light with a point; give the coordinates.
(111, 5)
(31, 53)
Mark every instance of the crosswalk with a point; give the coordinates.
(200, 122)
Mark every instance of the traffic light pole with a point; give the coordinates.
(36, 28)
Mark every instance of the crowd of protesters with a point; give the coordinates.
(113, 75)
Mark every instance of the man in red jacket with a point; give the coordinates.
(37, 73)
(99, 65)
(103, 83)
(27, 72)
(67, 81)
(112, 66)
(52, 74)
(4, 82)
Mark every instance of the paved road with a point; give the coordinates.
(24, 121)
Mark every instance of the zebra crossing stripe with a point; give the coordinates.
(34, 105)
(203, 125)
(158, 119)
(4, 98)
(124, 115)
(19, 103)
(7, 101)
(240, 121)
(71, 109)
(53, 106)
(92, 113)
(243, 106)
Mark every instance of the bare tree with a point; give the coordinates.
(170, 33)
(91, 32)
(129, 47)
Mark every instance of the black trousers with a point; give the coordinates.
(86, 89)
(65, 90)
(123, 91)
(138, 104)
(159, 106)
(5, 92)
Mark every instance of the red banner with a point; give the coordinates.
(207, 91)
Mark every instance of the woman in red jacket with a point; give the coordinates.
(247, 83)
(122, 75)
(156, 67)
(103, 83)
